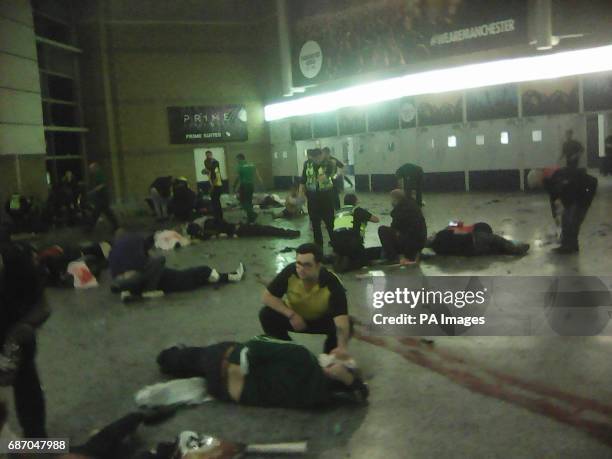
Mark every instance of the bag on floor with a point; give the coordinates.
(83, 277)
(187, 391)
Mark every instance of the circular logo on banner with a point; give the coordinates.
(311, 59)
(407, 112)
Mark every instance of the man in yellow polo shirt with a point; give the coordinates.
(307, 298)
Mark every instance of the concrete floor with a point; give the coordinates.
(467, 397)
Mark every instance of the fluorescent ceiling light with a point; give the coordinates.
(546, 67)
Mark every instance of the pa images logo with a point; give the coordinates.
(578, 306)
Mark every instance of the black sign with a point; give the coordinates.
(344, 38)
(226, 123)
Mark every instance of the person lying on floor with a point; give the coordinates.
(264, 372)
(349, 230)
(134, 272)
(472, 240)
(205, 228)
(56, 258)
(406, 236)
(294, 204)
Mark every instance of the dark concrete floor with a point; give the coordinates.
(462, 397)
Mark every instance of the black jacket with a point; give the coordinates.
(407, 219)
(571, 186)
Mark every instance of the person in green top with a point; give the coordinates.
(245, 184)
(100, 198)
(264, 372)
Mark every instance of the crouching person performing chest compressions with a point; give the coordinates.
(134, 272)
(263, 372)
(307, 298)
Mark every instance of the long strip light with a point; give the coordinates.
(557, 65)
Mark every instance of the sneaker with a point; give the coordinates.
(153, 294)
(129, 297)
(521, 249)
(237, 275)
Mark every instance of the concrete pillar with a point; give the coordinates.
(284, 45)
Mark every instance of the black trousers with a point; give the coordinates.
(492, 244)
(321, 209)
(101, 206)
(277, 325)
(571, 220)
(108, 443)
(245, 193)
(188, 362)
(29, 398)
(175, 280)
(394, 243)
(349, 244)
(215, 202)
(254, 230)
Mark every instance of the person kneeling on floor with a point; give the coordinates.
(472, 240)
(264, 372)
(135, 273)
(307, 298)
(349, 230)
(407, 234)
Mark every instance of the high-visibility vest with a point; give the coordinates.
(313, 181)
(15, 202)
(344, 220)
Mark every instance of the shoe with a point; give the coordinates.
(521, 249)
(129, 297)
(565, 250)
(237, 275)
(153, 294)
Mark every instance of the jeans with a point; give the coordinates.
(277, 325)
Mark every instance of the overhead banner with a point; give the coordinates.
(207, 124)
(344, 38)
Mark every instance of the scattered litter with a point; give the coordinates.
(429, 342)
(492, 201)
(287, 249)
